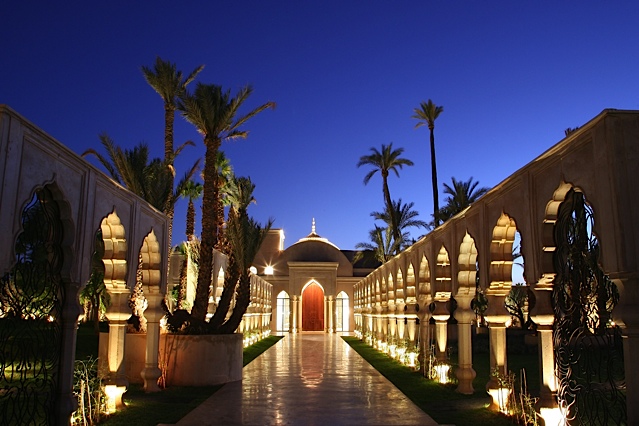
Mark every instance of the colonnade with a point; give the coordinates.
(473, 252)
(256, 322)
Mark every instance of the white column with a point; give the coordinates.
(151, 372)
(465, 372)
(294, 314)
(331, 325)
(117, 313)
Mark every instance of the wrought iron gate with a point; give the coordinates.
(588, 347)
(31, 299)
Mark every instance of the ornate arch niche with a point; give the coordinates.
(115, 252)
(381, 297)
(584, 298)
(411, 293)
(33, 296)
(400, 292)
(390, 284)
(547, 235)
(501, 255)
(467, 265)
(424, 290)
(443, 279)
(150, 265)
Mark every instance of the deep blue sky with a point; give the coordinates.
(346, 76)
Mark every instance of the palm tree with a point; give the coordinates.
(169, 83)
(213, 112)
(192, 190)
(150, 180)
(385, 161)
(382, 244)
(406, 218)
(460, 196)
(245, 237)
(427, 113)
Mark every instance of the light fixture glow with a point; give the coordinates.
(268, 270)
(500, 398)
(442, 373)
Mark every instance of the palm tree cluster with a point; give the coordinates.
(388, 241)
(215, 114)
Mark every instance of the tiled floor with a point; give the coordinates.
(309, 379)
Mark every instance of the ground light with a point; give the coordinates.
(553, 416)
(113, 397)
(500, 398)
(442, 373)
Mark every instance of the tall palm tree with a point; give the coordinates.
(214, 113)
(460, 196)
(192, 190)
(149, 179)
(385, 161)
(427, 113)
(169, 83)
(406, 218)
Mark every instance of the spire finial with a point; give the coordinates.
(313, 227)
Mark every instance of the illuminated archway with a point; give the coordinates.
(501, 255)
(313, 307)
(283, 308)
(342, 312)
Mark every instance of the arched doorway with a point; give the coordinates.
(341, 312)
(283, 311)
(313, 308)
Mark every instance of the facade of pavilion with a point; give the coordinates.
(313, 282)
(579, 195)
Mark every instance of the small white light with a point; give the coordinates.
(268, 270)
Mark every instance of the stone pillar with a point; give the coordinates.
(465, 372)
(67, 403)
(496, 317)
(331, 325)
(441, 316)
(151, 372)
(118, 313)
(294, 314)
(401, 327)
(544, 316)
(626, 315)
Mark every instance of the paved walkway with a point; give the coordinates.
(309, 379)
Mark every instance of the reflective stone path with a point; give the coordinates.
(309, 379)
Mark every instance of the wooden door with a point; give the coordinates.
(313, 308)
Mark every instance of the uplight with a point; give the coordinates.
(442, 373)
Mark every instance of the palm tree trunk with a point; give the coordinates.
(219, 221)
(209, 232)
(183, 281)
(389, 208)
(433, 167)
(190, 220)
(241, 304)
(230, 281)
(169, 208)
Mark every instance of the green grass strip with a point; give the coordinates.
(174, 402)
(441, 402)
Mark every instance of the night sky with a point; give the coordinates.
(346, 76)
